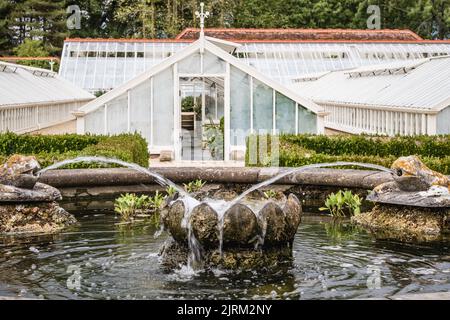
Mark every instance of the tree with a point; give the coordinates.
(5, 32)
(428, 18)
(31, 48)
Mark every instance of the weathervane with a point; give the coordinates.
(202, 15)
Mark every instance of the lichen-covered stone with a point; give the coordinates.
(293, 215)
(172, 219)
(174, 255)
(46, 217)
(226, 195)
(273, 223)
(204, 222)
(18, 171)
(240, 225)
(414, 175)
(405, 222)
(39, 193)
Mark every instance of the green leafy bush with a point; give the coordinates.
(54, 148)
(300, 150)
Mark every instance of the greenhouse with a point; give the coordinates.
(200, 104)
(403, 98)
(281, 54)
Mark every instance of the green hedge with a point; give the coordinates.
(427, 146)
(296, 151)
(54, 148)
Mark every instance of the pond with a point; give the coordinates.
(331, 261)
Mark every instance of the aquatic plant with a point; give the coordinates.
(270, 194)
(194, 186)
(170, 190)
(341, 202)
(157, 200)
(129, 206)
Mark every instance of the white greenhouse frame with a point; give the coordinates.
(202, 45)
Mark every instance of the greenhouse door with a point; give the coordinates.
(201, 110)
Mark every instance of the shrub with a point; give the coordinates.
(51, 149)
(300, 150)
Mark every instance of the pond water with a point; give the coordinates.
(331, 261)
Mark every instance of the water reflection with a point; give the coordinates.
(332, 260)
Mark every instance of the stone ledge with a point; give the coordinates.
(347, 178)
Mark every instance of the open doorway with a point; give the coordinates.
(202, 124)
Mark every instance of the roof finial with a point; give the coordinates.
(202, 15)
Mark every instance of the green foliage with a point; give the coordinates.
(131, 206)
(215, 139)
(49, 149)
(25, 19)
(99, 93)
(171, 191)
(368, 145)
(300, 150)
(270, 194)
(31, 48)
(157, 200)
(194, 186)
(342, 202)
(126, 147)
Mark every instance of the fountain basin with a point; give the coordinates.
(27, 206)
(414, 206)
(252, 234)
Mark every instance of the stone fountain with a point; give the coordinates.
(27, 206)
(253, 233)
(416, 204)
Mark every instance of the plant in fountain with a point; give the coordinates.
(130, 206)
(194, 186)
(342, 202)
(270, 194)
(170, 190)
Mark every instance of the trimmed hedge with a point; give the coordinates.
(426, 146)
(299, 150)
(54, 148)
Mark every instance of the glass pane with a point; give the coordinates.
(141, 110)
(285, 113)
(163, 117)
(262, 107)
(94, 122)
(307, 121)
(214, 90)
(190, 64)
(117, 115)
(212, 63)
(239, 107)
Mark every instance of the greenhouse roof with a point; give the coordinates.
(21, 85)
(201, 44)
(282, 35)
(422, 84)
(301, 34)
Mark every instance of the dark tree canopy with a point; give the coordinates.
(45, 20)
